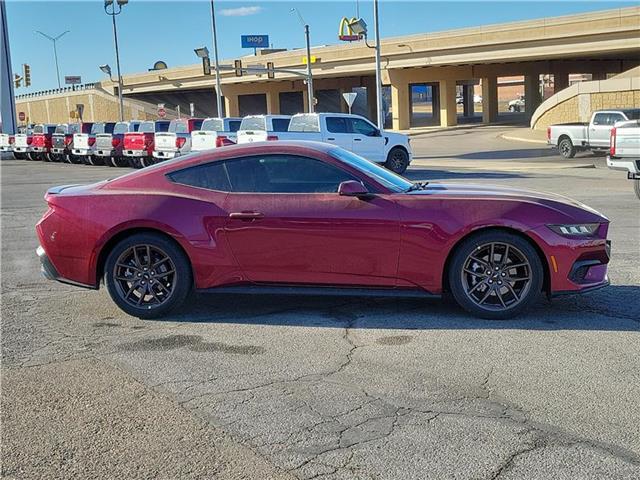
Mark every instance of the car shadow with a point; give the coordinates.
(608, 309)
(514, 154)
(425, 173)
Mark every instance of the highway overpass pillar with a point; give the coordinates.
(467, 100)
(231, 105)
(400, 104)
(560, 81)
(448, 109)
(532, 97)
(489, 99)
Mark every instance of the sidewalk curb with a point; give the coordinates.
(526, 140)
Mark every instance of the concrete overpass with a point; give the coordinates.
(421, 73)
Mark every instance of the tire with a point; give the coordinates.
(479, 293)
(18, 155)
(134, 162)
(566, 148)
(512, 108)
(127, 295)
(397, 160)
(636, 187)
(33, 157)
(97, 160)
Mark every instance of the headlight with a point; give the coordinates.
(578, 230)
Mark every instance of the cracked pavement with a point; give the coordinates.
(329, 388)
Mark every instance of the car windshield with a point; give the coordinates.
(390, 180)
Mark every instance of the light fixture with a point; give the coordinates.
(106, 69)
(359, 27)
(202, 52)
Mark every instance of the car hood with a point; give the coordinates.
(559, 203)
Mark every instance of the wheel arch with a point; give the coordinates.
(567, 136)
(120, 235)
(397, 147)
(546, 281)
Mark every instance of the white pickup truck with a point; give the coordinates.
(260, 128)
(215, 132)
(624, 151)
(356, 134)
(573, 137)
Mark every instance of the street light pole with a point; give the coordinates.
(216, 64)
(309, 73)
(55, 50)
(113, 14)
(378, 72)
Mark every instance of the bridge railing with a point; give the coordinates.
(73, 88)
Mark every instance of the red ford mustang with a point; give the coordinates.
(296, 217)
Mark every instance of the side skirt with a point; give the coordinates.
(276, 289)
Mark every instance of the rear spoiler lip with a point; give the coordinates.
(60, 188)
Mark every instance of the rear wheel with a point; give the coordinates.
(397, 160)
(33, 156)
(18, 155)
(147, 275)
(495, 275)
(566, 148)
(636, 187)
(98, 160)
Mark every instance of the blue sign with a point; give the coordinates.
(255, 41)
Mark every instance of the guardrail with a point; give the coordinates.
(74, 88)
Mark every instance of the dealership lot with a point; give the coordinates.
(277, 387)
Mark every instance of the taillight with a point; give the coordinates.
(115, 142)
(180, 141)
(12, 140)
(221, 141)
(612, 142)
(68, 140)
(271, 138)
(29, 140)
(548, 133)
(92, 141)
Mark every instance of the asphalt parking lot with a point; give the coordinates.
(340, 388)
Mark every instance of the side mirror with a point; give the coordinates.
(351, 188)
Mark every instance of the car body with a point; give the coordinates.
(215, 133)
(176, 140)
(84, 142)
(306, 216)
(571, 138)
(517, 105)
(109, 145)
(624, 150)
(356, 134)
(62, 142)
(260, 128)
(138, 146)
(41, 141)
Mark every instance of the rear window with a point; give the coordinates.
(253, 123)
(102, 128)
(121, 128)
(234, 125)
(280, 124)
(38, 129)
(632, 114)
(51, 129)
(147, 127)
(178, 126)
(213, 125)
(196, 124)
(73, 128)
(304, 123)
(162, 126)
(61, 129)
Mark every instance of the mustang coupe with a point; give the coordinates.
(304, 217)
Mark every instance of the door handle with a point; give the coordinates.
(246, 215)
(357, 139)
(331, 138)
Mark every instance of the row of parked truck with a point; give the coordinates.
(138, 144)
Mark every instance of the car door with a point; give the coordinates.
(287, 224)
(600, 129)
(337, 131)
(367, 141)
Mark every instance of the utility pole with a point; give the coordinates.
(54, 40)
(216, 63)
(378, 72)
(309, 73)
(113, 14)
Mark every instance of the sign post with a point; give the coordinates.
(350, 97)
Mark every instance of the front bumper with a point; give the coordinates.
(49, 271)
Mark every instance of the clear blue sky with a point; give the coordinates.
(170, 30)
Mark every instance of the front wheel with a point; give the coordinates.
(566, 148)
(397, 160)
(495, 275)
(147, 275)
(636, 187)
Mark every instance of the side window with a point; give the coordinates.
(363, 128)
(337, 125)
(601, 119)
(284, 174)
(280, 124)
(211, 176)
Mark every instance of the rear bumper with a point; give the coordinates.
(82, 151)
(165, 154)
(58, 151)
(6, 149)
(49, 271)
(630, 165)
(135, 153)
(22, 149)
(39, 149)
(105, 153)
